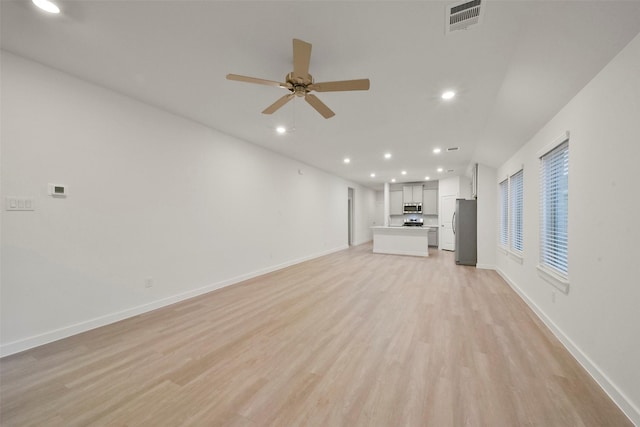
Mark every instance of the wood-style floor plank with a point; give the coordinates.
(349, 339)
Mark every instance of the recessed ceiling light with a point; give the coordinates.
(281, 129)
(347, 160)
(393, 180)
(436, 150)
(47, 6)
(448, 94)
(426, 178)
(440, 169)
(387, 155)
(373, 175)
(403, 172)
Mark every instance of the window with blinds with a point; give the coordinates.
(554, 209)
(516, 199)
(504, 213)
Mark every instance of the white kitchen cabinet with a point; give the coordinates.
(395, 203)
(430, 202)
(401, 240)
(433, 236)
(417, 193)
(412, 194)
(407, 194)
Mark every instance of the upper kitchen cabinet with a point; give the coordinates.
(395, 202)
(417, 193)
(407, 194)
(430, 202)
(412, 193)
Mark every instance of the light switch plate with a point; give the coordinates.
(20, 204)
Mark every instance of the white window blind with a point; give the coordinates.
(504, 212)
(516, 199)
(554, 209)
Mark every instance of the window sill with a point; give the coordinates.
(517, 257)
(554, 279)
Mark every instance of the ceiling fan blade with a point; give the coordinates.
(343, 85)
(279, 103)
(301, 58)
(320, 107)
(257, 81)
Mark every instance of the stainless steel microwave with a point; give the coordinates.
(412, 208)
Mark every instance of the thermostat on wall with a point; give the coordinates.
(57, 190)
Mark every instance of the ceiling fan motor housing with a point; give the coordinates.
(299, 85)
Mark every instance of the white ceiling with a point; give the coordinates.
(512, 72)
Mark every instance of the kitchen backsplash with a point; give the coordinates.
(398, 220)
(430, 219)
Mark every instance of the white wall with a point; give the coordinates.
(449, 187)
(487, 211)
(465, 187)
(599, 318)
(379, 208)
(150, 195)
(459, 186)
(365, 203)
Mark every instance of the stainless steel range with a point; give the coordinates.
(413, 222)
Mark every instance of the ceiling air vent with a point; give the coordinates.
(453, 149)
(462, 15)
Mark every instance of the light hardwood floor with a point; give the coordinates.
(349, 339)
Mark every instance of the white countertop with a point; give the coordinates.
(400, 227)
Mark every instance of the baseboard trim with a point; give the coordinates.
(486, 266)
(362, 242)
(97, 322)
(618, 397)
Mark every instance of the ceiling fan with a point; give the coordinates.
(299, 82)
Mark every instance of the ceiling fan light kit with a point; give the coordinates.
(300, 83)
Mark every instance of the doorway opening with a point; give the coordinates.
(350, 216)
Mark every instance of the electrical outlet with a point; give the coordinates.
(148, 282)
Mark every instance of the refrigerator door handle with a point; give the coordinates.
(453, 223)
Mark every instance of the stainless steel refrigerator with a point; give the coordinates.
(465, 228)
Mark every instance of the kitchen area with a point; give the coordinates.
(409, 223)
(412, 218)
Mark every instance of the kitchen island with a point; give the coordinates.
(401, 240)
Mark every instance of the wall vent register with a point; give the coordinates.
(460, 16)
